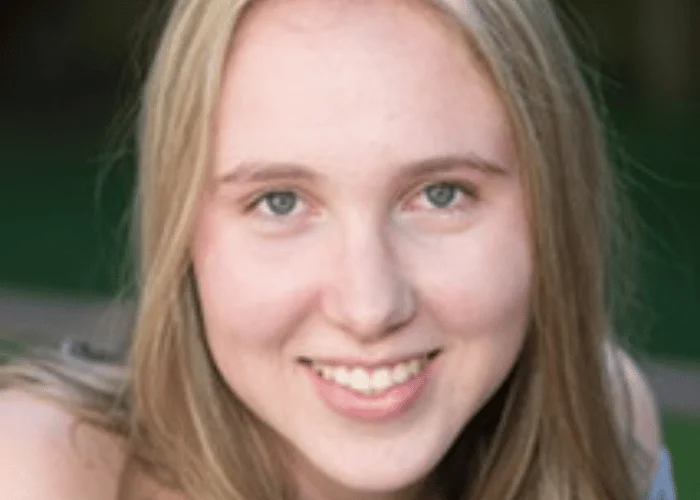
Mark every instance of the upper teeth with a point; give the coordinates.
(371, 381)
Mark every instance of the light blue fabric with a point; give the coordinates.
(663, 487)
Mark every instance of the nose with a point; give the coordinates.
(368, 296)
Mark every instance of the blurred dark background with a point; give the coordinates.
(70, 72)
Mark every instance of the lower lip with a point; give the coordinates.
(384, 406)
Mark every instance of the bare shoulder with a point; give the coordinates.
(636, 406)
(43, 454)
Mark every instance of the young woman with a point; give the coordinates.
(374, 256)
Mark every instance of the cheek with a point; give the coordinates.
(479, 297)
(250, 292)
(482, 285)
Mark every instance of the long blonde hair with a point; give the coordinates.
(550, 432)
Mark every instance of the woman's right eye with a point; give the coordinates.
(277, 203)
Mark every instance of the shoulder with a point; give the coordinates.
(46, 453)
(637, 412)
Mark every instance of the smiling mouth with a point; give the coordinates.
(371, 381)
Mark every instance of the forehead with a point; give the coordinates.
(332, 81)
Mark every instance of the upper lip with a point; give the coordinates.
(365, 363)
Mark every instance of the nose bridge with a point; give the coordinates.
(368, 295)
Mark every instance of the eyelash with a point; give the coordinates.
(465, 189)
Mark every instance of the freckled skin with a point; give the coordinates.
(365, 266)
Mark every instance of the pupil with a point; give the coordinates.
(441, 195)
(281, 203)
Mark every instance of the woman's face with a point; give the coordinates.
(363, 255)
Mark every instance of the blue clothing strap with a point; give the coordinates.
(663, 487)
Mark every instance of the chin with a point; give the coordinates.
(376, 474)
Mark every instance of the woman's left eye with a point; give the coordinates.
(278, 203)
(445, 195)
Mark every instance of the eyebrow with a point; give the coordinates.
(441, 164)
(264, 171)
